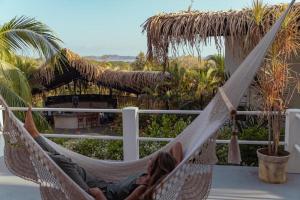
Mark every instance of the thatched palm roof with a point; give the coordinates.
(68, 66)
(193, 28)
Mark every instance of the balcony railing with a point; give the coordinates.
(130, 124)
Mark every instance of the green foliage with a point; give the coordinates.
(104, 150)
(189, 87)
(166, 126)
(163, 126)
(14, 79)
(148, 147)
(248, 152)
(27, 65)
(23, 32)
(140, 62)
(192, 83)
(15, 100)
(15, 89)
(59, 141)
(189, 62)
(20, 34)
(259, 10)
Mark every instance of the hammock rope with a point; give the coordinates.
(190, 180)
(234, 153)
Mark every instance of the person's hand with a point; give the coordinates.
(97, 193)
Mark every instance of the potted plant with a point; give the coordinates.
(276, 84)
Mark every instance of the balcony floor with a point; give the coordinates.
(229, 182)
(241, 183)
(15, 188)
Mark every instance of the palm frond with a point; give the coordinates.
(23, 32)
(259, 11)
(14, 100)
(15, 79)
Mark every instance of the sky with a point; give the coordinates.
(97, 27)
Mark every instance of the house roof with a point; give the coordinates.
(168, 31)
(67, 66)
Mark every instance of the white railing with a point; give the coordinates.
(292, 139)
(130, 116)
(297, 147)
(1, 136)
(68, 109)
(131, 136)
(108, 137)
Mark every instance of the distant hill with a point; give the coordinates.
(112, 58)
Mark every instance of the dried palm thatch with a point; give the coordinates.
(134, 81)
(67, 66)
(193, 29)
(63, 62)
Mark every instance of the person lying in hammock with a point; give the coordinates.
(135, 187)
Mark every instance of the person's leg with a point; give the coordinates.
(45, 145)
(30, 125)
(74, 171)
(177, 152)
(32, 130)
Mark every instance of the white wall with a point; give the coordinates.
(66, 122)
(233, 58)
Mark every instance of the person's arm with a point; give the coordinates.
(177, 152)
(137, 193)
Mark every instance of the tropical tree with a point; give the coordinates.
(219, 61)
(140, 62)
(277, 82)
(207, 83)
(18, 35)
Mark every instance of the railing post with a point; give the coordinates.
(1, 134)
(1, 117)
(130, 133)
(292, 138)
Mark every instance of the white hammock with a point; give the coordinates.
(191, 179)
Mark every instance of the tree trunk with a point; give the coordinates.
(269, 134)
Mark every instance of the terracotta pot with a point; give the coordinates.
(272, 169)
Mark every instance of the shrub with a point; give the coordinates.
(164, 126)
(104, 150)
(248, 152)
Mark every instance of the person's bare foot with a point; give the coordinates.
(30, 125)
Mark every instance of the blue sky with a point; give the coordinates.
(97, 27)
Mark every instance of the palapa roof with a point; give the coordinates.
(194, 28)
(70, 66)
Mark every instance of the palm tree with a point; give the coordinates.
(19, 34)
(207, 83)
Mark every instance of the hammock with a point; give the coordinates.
(191, 179)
